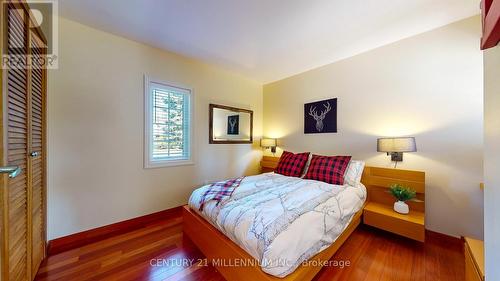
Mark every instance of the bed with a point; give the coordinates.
(274, 227)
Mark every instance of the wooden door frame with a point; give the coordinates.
(44, 152)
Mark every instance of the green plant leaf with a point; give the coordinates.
(403, 193)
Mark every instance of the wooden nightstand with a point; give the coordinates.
(384, 217)
(474, 259)
(379, 212)
(269, 163)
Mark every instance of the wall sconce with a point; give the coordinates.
(269, 143)
(396, 146)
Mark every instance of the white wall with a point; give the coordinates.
(492, 162)
(428, 86)
(95, 124)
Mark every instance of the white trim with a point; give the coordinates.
(168, 163)
(148, 162)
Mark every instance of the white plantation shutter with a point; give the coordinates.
(168, 125)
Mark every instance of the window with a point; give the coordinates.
(168, 132)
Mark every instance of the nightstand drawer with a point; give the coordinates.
(404, 225)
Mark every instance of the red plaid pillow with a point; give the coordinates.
(329, 169)
(292, 164)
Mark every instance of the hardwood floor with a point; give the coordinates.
(155, 252)
(378, 255)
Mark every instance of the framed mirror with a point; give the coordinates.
(230, 125)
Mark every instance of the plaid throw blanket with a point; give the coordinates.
(219, 191)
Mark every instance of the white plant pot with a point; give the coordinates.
(401, 207)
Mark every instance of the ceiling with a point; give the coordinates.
(267, 40)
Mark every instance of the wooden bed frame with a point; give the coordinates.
(216, 246)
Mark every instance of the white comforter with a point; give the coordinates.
(283, 221)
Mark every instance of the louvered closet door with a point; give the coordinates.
(17, 150)
(37, 155)
(23, 142)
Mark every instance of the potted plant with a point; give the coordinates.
(402, 194)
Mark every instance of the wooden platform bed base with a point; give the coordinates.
(216, 246)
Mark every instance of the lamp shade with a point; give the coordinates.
(268, 142)
(406, 144)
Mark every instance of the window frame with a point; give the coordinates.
(149, 162)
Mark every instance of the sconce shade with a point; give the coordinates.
(268, 142)
(406, 144)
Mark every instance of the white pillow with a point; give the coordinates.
(354, 172)
(306, 167)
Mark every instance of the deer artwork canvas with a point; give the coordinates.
(233, 125)
(320, 117)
